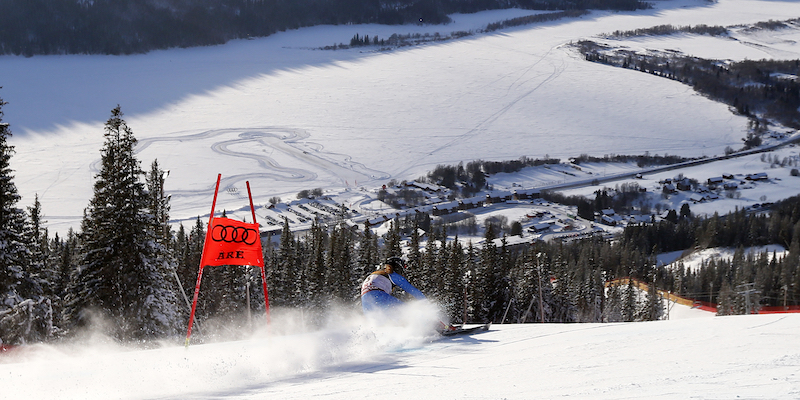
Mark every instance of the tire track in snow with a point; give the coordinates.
(286, 141)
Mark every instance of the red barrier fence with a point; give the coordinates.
(779, 309)
(702, 305)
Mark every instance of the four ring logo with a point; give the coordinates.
(234, 234)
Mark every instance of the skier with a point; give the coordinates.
(376, 291)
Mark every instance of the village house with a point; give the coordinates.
(640, 219)
(540, 227)
(760, 176)
(525, 194)
(498, 197)
(445, 208)
(684, 184)
(470, 203)
(730, 185)
(697, 198)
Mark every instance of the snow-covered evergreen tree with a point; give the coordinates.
(630, 301)
(392, 240)
(651, 307)
(282, 270)
(315, 272)
(40, 277)
(562, 306)
(339, 273)
(426, 280)
(367, 255)
(25, 313)
(62, 256)
(120, 275)
(159, 314)
(489, 279)
(612, 311)
(414, 255)
(453, 298)
(189, 250)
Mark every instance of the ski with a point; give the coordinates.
(461, 330)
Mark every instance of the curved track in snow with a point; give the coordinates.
(281, 154)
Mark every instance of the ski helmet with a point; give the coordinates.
(397, 263)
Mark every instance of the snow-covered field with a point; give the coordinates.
(287, 116)
(752, 357)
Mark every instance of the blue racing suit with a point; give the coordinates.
(376, 291)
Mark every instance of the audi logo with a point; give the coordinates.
(234, 234)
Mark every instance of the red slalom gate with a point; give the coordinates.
(230, 242)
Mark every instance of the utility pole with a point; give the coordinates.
(465, 279)
(541, 305)
(464, 318)
(785, 293)
(746, 290)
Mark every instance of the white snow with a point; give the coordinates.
(753, 357)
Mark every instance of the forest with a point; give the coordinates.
(130, 272)
(36, 27)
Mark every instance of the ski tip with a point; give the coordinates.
(464, 331)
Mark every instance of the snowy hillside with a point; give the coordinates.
(287, 116)
(752, 357)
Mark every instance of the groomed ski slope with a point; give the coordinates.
(752, 357)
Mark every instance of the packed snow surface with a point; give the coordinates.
(287, 116)
(752, 356)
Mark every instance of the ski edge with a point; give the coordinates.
(465, 331)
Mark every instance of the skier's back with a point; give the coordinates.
(376, 291)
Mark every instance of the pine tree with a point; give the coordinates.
(612, 311)
(39, 276)
(562, 307)
(189, 253)
(316, 272)
(39, 248)
(159, 314)
(366, 255)
(414, 255)
(392, 241)
(472, 283)
(453, 293)
(339, 279)
(63, 256)
(437, 269)
(491, 277)
(525, 286)
(21, 316)
(426, 280)
(283, 271)
(652, 308)
(120, 275)
(630, 301)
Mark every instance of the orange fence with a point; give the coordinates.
(702, 305)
